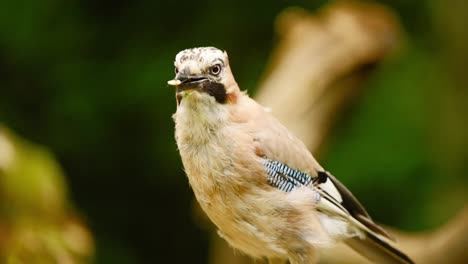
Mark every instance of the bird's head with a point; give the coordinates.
(205, 71)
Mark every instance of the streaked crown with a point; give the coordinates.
(199, 60)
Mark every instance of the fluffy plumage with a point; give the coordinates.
(256, 181)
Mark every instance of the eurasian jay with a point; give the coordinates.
(258, 183)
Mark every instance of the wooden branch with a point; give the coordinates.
(446, 244)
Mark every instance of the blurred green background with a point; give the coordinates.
(87, 79)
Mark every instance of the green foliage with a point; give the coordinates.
(35, 217)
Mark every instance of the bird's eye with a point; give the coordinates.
(176, 70)
(215, 69)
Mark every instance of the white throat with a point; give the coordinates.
(198, 118)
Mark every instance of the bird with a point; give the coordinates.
(258, 183)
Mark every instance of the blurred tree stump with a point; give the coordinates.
(314, 73)
(37, 223)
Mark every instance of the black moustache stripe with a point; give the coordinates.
(217, 90)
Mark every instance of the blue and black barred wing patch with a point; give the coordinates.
(283, 177)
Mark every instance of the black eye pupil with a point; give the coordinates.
(176, 70)
(216, 69)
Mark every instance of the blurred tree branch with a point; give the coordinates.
(317, 68)
(320, 62)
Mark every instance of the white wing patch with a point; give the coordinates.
(330, 188)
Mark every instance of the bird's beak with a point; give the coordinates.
(184, 81)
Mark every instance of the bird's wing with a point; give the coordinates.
(336, 200)
(289, 164)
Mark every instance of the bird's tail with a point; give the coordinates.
(378, 250)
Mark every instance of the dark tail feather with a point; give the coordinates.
(377, 250)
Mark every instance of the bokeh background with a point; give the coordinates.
(87, 80)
